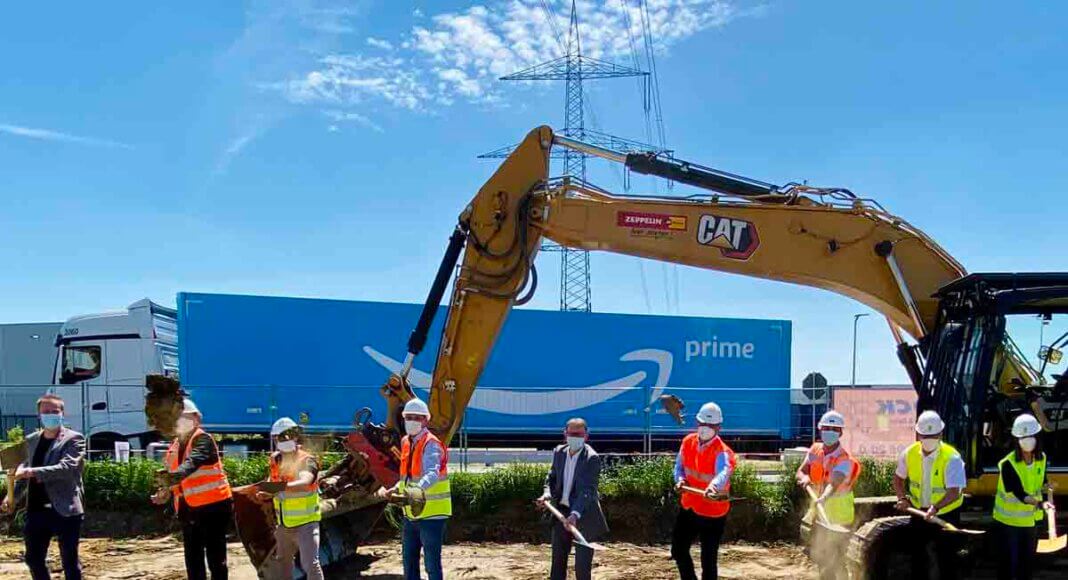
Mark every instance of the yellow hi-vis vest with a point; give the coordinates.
(439, 495)
(295, 507)
(839, 505)
(1011, 511)
(914, 462)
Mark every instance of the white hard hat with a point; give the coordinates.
(416, 407)
(710, 413)
(282, 425)
(189, 407)
(832, 419)
(1025, 426)
(929, 423)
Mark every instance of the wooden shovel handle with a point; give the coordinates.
(701, 492)
(934, 519)
(573, 530)
(820, 510)
(1051, 514)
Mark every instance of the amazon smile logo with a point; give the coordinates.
(513, 402)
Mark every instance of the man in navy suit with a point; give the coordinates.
(572, 487)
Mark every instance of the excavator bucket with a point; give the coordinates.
(346, 523)
(163, 403)
(255, 525)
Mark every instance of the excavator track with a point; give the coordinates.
(877, 550)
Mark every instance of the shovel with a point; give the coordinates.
(579, 539)
(1055, 542)
(701, 492)
(821, 511)
(945, 525)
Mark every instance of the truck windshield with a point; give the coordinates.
(80, 363)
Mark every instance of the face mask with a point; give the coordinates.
(184, 426)
(1028, 444)
(412, 428)
(287, 446)
(829, 437)
(51, 420)
(929, 445)
(575, 443)
(705, 433)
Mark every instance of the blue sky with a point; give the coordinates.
(324, 148)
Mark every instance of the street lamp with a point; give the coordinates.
(856, 319)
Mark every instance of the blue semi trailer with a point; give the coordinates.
(248, 360)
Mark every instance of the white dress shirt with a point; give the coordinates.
(569, 477)
(955, 473)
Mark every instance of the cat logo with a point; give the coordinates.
(736, 239)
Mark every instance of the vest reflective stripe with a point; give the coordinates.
(839, 505)
(914, 463)
(206, 485)
(1011, 511)
(699, 468)
(439, 495)
(299, 506)
(689, 473)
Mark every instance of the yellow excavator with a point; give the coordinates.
(950, 327)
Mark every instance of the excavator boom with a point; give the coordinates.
(824, 238)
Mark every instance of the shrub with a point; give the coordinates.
(876, 478)
(119, 486)
(638, 496)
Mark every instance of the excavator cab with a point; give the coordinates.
(994, 353)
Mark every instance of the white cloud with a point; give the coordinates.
(350, 117)
(461, 55)
(50, 135)
(417, 13)
(379, 43)
(237, 145)
(279, 40)
(351, 79)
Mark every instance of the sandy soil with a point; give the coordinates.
(161, 559)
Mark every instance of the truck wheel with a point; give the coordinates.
(102, 445)
(879, 550)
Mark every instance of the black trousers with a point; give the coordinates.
(41, 527)
(689, 526)
(562, 541)
(204, 532)
(946, 547)
(1017, 551)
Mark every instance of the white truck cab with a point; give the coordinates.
(101, 367)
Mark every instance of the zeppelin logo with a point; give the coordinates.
(651, 221)
(736, 239)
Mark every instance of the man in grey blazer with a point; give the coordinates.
(52, 476)
(572, 486)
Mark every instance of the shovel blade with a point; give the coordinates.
(1052, 545)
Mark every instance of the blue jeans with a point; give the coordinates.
(428, 535)
(41, 527)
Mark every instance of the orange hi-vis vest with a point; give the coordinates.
(207, 485)
(699, 468)
(839, 505)
(439, 495)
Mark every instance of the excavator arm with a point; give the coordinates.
(824, 238)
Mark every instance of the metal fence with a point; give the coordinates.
(623, 419)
